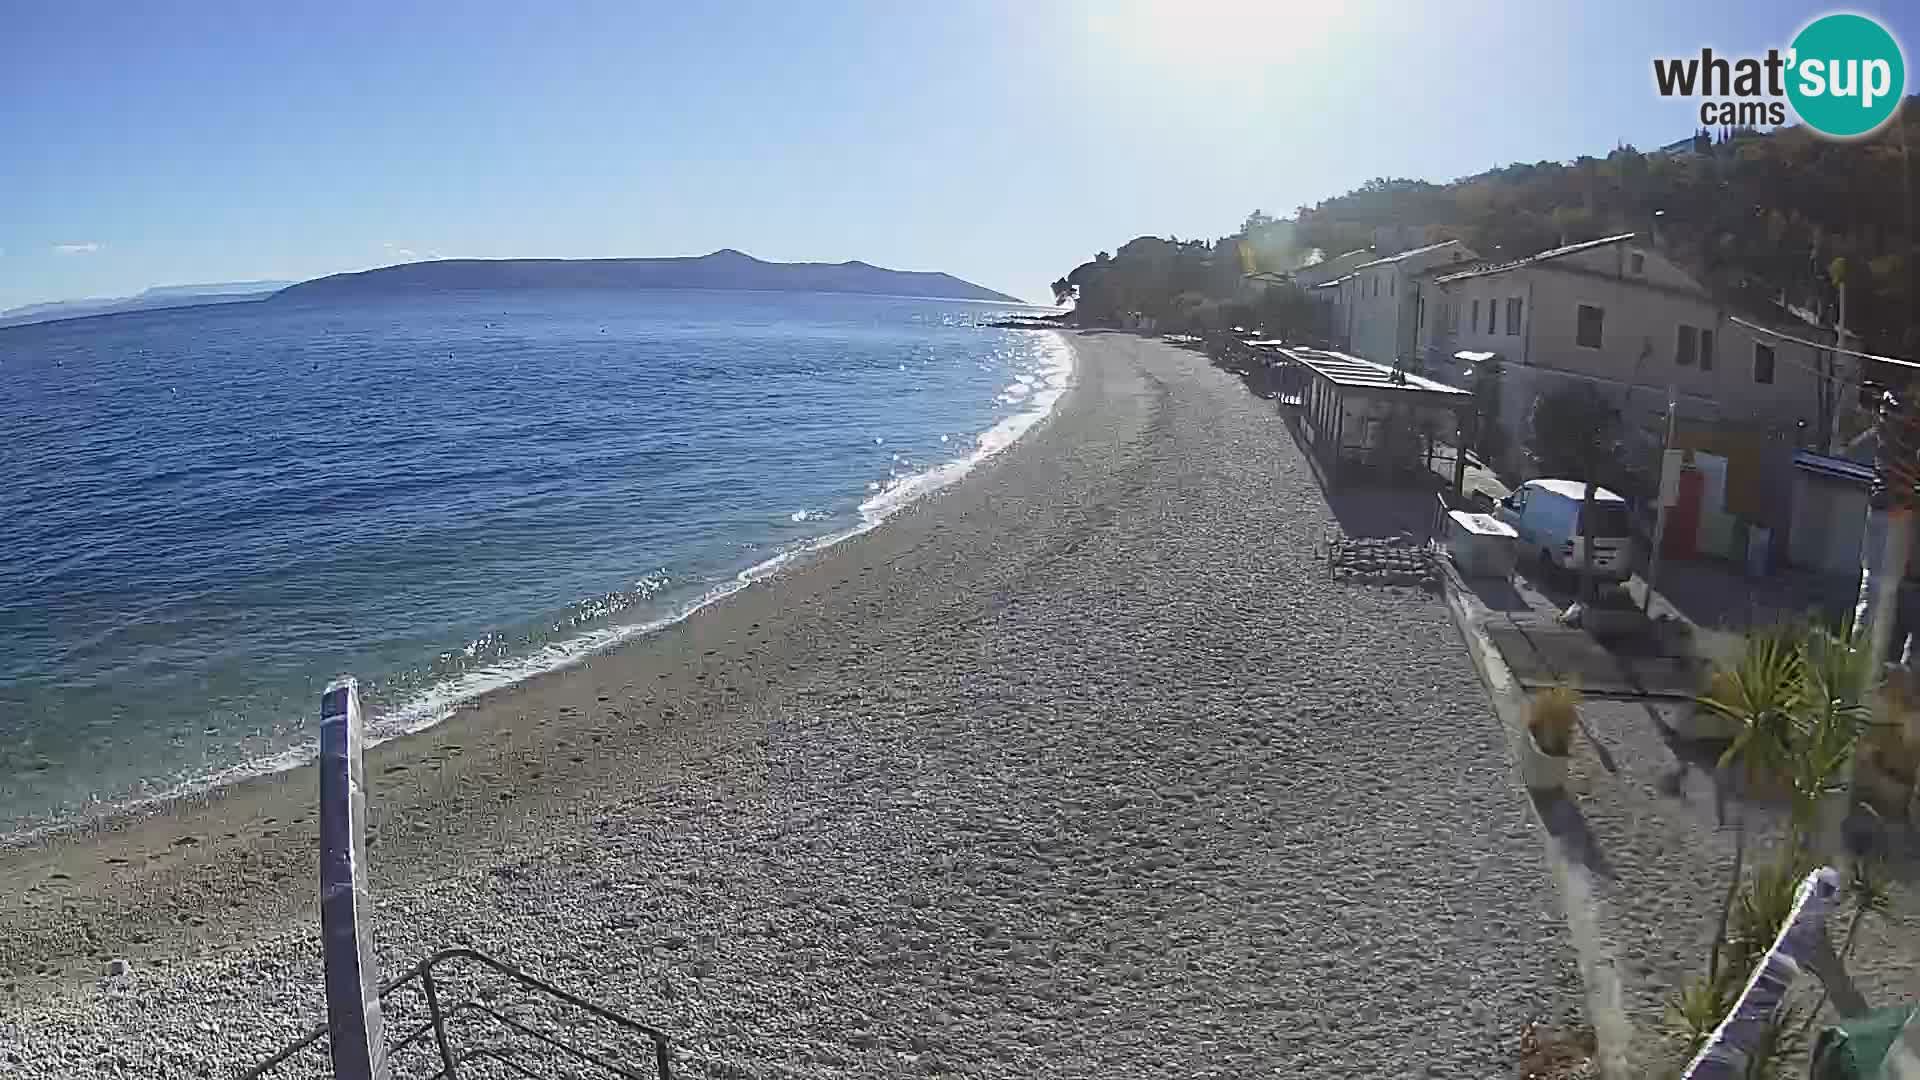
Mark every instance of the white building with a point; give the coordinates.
(1616, 314)
(1377, 308)
(1317, 273)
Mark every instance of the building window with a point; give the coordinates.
(1513, 316)
(1474, 323)
(1587, 323)
(1686, 347)
(1706, 350)
(1638, 263)
(1493, 314)
(1390, 285)
(1762, 363)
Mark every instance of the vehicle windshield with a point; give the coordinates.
(1607, 519)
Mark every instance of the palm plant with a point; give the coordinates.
(1762, 693)
(1798, 697)
(1839, 677)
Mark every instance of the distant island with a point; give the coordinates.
(154, 299)
(724, 269)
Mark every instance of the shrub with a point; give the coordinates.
(1800, 695)
(1551, 717)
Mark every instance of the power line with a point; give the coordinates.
(1829, 348)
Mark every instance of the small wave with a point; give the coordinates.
(439, 701)
(802, 516)
(1048, 385)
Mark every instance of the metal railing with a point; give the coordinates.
(442, 1024)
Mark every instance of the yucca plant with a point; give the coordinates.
(1763, 909)
(1836, 710)
(1798, 696)
(1698, 1008)
(1763, 692)
(1694, 1010)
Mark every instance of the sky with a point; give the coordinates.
(1005, 143)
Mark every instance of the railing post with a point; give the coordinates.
(346, 906)
(439, 1021)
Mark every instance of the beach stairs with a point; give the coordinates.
(463, 1015)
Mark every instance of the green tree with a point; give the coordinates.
(1283, 310)
(1764, 213)
(1574, 432)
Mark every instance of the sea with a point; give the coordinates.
(208, 514)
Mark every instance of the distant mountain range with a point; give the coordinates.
(164, 296)
(724, 269)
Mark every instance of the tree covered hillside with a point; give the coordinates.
(1752, 215)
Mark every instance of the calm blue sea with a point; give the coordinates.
(207, 514)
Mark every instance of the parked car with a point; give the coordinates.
(1546, 514)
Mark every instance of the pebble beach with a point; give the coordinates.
(1082, 767)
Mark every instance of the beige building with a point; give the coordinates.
(1613, 313)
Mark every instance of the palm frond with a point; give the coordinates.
(1763, 691)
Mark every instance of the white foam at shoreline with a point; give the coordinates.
(436, 704)
(1047, 387)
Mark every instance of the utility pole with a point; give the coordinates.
(1883, 550)
(1832, 433)
(1660, 511)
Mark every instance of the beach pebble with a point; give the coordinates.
(1095, 772)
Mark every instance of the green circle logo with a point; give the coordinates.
(1846, 75)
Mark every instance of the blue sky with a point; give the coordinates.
(1003, 142)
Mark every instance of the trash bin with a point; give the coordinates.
(1481, 545)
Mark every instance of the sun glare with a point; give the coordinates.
(1210, 35)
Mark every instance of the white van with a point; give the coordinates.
(1546, 515)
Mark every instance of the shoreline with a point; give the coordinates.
(145, 825)
(438, 704)
(1076, 768)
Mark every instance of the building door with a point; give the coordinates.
(1683, 518)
